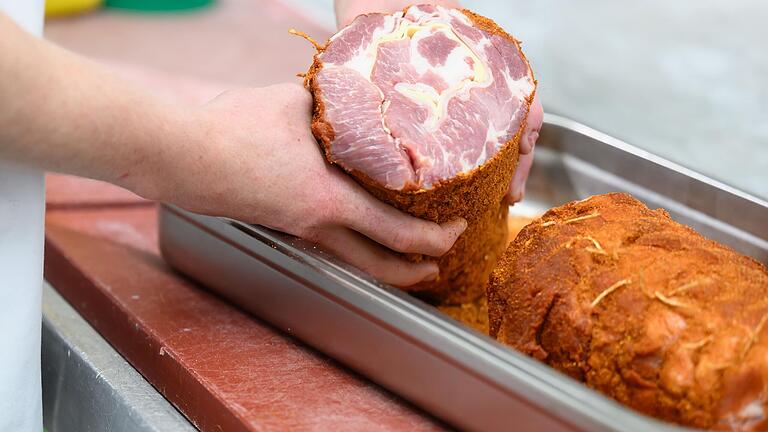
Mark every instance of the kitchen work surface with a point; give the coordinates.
(88, 386)
(220, 367)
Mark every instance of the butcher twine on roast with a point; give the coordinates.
(640, 307)
(425, 108)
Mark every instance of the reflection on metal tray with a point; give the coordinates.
(455, 373)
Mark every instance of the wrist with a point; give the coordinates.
(156, 168)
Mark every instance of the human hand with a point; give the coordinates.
(347, 10)
(258, 162)
(516, 190)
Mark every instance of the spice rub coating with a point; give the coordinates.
(641, 308)
(476, 195)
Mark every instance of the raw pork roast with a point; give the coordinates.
(425, 108)
(640, 307)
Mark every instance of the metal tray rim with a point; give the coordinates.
(574, 403)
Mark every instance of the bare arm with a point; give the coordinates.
(61, 113)
(248, 154)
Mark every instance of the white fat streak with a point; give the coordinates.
(384, 108)
(418, 61)
(396, 27)
(420, 93)
(491, 135)
(453, 71)
(421, 14)
(459, 15)
(519, 88)
(365, 58)
(460, 76)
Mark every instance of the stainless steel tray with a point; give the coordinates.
(407, 346)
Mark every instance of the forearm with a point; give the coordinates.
(62, 113)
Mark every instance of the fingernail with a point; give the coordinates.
(460, 225)
(464, 225)
(520, 192)
(516, 191)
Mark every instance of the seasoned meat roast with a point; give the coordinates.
(641, 308)
(425, 108)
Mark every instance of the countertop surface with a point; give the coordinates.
(223, 369)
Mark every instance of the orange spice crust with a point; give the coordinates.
(473, 314)
(641, 308)
(515, 224)
(476, 196)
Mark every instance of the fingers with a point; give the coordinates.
(532, 126)
(373, 259)
(394, 229)
(516, 190)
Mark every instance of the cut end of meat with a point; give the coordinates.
(425, 108)
(421, 96)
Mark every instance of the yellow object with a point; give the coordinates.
(68, 7)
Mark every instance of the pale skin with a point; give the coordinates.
(248, 154)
